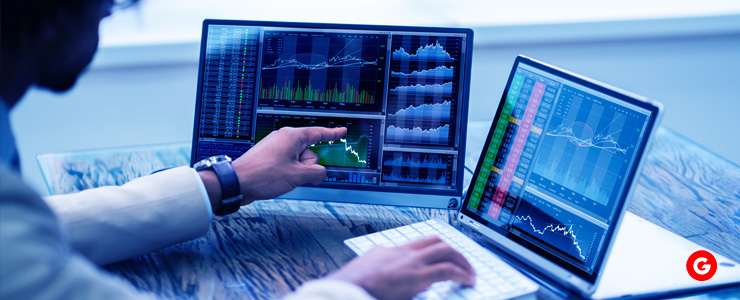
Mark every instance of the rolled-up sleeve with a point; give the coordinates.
(110, 224)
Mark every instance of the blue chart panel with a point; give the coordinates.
(423, 89)
(433, 52)
(558, 228)
(444, 90)
(425, 111)
(440, 72)
(413, 167)
(586, 150)
(418, 135)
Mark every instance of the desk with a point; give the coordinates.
(269, 248)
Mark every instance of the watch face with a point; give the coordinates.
(208, 162)
(220, 158)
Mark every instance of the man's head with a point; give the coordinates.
(47, 43)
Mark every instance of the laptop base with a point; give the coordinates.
(650, 261)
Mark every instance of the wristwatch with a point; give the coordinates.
(231, 196)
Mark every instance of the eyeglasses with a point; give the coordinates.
(123, 4)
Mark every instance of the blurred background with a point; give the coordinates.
(140, 89)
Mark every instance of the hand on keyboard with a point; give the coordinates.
(495, 279)
(403, 271)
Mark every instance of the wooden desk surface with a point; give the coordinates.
(269, 248)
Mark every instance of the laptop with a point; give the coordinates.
(402, 92)
(548, 198)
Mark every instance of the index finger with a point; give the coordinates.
(313, 135)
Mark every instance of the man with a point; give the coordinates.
(47, 248)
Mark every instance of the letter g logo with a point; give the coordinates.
(701, 265)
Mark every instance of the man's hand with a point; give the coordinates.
(281, 162)
(406, 270)
(276, 165)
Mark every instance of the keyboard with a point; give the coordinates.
(495, 278)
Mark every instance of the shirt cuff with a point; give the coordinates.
(204, 193)
(329, 289)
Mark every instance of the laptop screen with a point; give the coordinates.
(400, 91)
(557, 164)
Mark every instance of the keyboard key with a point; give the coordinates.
(429, 233)
(436, 225)
(422, 228)
(363, 243)
(399, 240)
(377, 238)
(405, 229)
(392, 233)
(413, 235)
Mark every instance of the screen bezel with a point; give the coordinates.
(442, 198)
(629, 179)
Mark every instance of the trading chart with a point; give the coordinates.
(558, 228)
(423, 90)
(417, 167)
(586, 148)
(355, 150)
(400, 92)
(340, 71)
(556, 164)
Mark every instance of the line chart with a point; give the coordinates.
(557, 228)
(586, 149)
(355, 150)
(440, 72)
(428, 111)
(564, 229)
(328, 157)
(437, 136)
(334, 62)
(600, 141)
(444, 89)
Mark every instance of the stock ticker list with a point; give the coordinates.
(229, 74)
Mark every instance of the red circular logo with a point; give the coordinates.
(701, 265)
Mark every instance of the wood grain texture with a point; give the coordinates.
(269, 248)
(75, 171)
(691, 192)
(265, 250)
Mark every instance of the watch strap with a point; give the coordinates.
(230, 191)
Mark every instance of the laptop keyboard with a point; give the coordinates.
(495, 278)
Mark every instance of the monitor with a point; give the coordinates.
(402, 93)
(558, 163)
